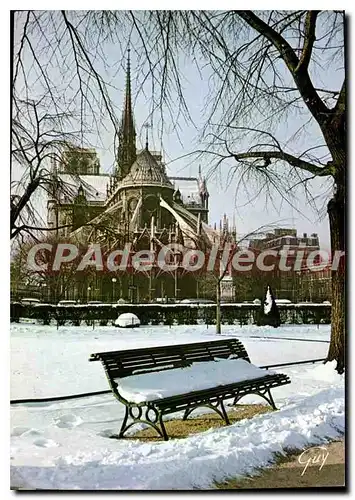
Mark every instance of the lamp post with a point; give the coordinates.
(89, 290)
(44, 286)
(131, 289)
(113, 288)
(176, 263)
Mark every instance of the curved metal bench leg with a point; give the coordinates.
(158, 425)
(224, 413)
(236, 399)
(187, 413)
(123, 426)
(220, 411)
(269, 399)
(162, 426)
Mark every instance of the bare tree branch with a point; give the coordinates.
(290, 159)
(298, 71)
(309, 39)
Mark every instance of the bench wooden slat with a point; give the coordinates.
(232, 343)
(152, 357)
(123, 363)
(248, 384)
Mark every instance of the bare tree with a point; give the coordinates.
(38, 137)
(266, 68)
(59, 101)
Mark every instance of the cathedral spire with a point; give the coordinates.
(127, 115)
(146, 136)
(126, 154)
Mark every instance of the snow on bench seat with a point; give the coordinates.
(198, 376)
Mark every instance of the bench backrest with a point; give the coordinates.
(119, 364)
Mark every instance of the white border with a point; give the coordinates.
(4, 185)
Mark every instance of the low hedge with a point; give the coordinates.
(167, 314)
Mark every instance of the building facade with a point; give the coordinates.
(138, 204)
(304, 279)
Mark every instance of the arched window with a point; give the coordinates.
(150, 209)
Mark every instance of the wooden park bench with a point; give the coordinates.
(141, 365)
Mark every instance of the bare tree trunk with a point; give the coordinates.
(336, 212)
(218, 307)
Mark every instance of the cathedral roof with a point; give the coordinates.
(94, 187)
(189, 189)
(146, 171)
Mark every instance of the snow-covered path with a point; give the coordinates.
(65, 445)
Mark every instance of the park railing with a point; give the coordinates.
(166, 314)
(100, 393)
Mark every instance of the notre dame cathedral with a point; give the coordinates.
(139, 204)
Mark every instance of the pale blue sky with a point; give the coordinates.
(223, 196)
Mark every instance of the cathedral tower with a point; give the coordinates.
(126, 154)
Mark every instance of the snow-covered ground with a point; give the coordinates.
(66, 445)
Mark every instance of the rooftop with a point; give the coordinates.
(146, 170)
(94, 187)
(189, 189)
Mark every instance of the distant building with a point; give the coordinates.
(290, 284)
(282, 237)
(315, 284)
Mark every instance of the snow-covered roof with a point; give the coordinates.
(94, 186)
(189, 189)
